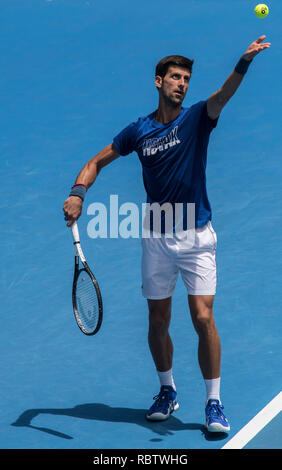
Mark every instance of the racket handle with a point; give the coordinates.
(76, 240)
(75, 232)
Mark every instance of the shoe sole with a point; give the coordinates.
(160, 416)
(217, 427)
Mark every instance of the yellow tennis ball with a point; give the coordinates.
(261, 10)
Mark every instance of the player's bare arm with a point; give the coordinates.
(73, 205)
(218, 100)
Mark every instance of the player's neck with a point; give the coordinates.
(165, 114)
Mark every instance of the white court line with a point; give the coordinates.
(256, 424)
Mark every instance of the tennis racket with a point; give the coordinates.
(86, 295)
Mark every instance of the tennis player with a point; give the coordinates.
(171, 144)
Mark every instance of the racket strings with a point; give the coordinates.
(87, 302)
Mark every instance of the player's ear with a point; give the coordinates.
(158, 81)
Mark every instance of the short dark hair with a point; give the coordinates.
(176, 60)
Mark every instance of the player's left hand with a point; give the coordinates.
(256, 47)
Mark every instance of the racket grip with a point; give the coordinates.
(75, 232)
(76, 240)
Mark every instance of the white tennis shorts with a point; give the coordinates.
(163, 258)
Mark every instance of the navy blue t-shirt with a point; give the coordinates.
(173, 157)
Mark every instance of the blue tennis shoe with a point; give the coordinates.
(165, 404)
(215, 419)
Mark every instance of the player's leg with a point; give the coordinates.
(159, 340)
(199, 273)
(159, 276)
(161, 348)
(209, 348)
(209, 354)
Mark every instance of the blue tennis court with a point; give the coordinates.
(75, 73)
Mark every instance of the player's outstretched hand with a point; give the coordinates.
(72, 209)
(256, 47)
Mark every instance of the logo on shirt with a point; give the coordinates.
(158, 144)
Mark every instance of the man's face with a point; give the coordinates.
(174, 85)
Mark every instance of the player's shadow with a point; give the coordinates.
(101, 412)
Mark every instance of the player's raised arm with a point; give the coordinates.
(218, 100)
(73, 204)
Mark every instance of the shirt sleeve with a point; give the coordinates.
(210, 123)
(125, 141)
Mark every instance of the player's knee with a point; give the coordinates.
(203, 320)
(159, 321)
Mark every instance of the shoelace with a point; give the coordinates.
(160, 396)
(215, 409)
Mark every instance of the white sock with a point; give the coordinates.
(166, 378)
(213, 389)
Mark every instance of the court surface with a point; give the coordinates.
(73, 74)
